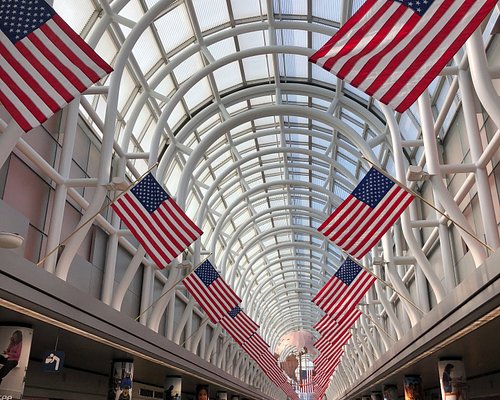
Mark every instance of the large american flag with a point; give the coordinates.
(211, 292)
(345, 289)
(155, 219)
(392, 50)
(367, 214)
(44, 64)
(239, 325)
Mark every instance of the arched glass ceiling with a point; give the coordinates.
(257, 143)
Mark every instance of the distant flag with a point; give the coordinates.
(306, 381)
(345, 289)
(211, 292)
(392, 50)
(367, 214)
(156, 221)
(239, 325)
(44, 64)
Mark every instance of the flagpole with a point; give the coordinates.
(93, 216)
(428, 203)
(172, 287)
(202, 325)
(387, 284)
(376, 324)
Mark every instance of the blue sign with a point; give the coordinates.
(53, 361)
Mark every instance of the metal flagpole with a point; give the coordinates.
(173, 287)
(428, 203)
(392, 287)
(91, 219)
(376, 324)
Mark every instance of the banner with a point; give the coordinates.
(172, 387)
(413, 387)
(452, 379)
(122, 376)
(15, 346)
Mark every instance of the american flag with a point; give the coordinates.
(210, 291)
(345, 289)
(328, 326)
(367, 214)
(255, 346)
(157, 222)
(44, 64)
(392, 50)
(306, 381)
(329, 348)
(239, 325)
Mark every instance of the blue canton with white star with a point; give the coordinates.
(372, 188)
(348, 271)
(207, 273)
(149, 193)
(234, 312)
(419, 6)
(18, 18)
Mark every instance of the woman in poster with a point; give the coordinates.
(10, 357)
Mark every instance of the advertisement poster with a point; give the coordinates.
(413, 387)
(221, 395)
(452, 379)
(15, 346)
(122, 376)
(172, 388)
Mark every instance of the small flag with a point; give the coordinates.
(239, 325)
(392, 50)
(345, 289)
(210, 291)
(367, 214)
(44, 64)
(156, 221)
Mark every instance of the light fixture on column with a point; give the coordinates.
(9, 240)
(416, 173)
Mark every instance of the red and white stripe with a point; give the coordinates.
(43, 72)
(164, 234)
(239, 328)
(390, 52)
(356, 227)
(336, 298)
(327, 324)
(216, 300)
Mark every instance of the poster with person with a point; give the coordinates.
(121, 379)
(15, 346)
(172, 387)
(452, 379)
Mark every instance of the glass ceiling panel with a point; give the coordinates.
(146, 52)
(188, 67)
(132, 11)
(289, 7)
(199, 93)
(214, 15)
(174, 28)
(329, 10)
(76, 17)
(248, 8)
(228, 76)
